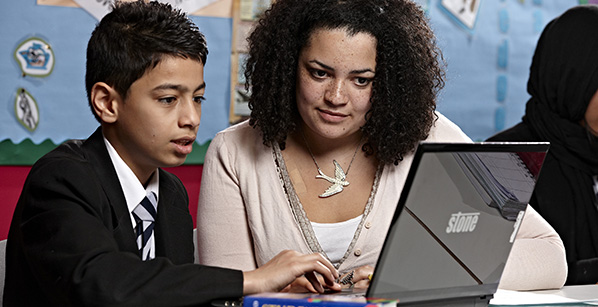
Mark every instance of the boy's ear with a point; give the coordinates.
(105, 100)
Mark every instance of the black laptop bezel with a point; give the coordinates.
(483, 290)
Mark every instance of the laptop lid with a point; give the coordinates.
(456, 220)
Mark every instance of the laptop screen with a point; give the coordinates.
(456, 220)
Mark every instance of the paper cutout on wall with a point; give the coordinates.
(251, 9)
(26, 109)
(501, 88)
(35, 57)
(502, 65)
(503, 54)
(503, 20)
(190, 6)
(242, 101)
(424, 4)
(465, 12)
(242, 58)
(219, 8)
(97, 8)
(500, 115)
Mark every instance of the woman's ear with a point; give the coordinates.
(104, 100)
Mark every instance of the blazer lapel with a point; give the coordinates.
(174, 227)
(97, 154)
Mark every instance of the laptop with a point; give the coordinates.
(455, 222)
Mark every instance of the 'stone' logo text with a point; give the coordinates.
(462, 222)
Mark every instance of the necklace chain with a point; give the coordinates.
(340, 177)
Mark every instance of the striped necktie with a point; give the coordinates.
(145, 215)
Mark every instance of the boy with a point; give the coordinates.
(98, 222)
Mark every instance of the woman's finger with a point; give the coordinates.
(300, 285)
(363, 273)
(313, 279)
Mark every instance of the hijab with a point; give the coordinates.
(563, 79)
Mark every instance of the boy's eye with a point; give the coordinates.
(167, 100)
(198, 99)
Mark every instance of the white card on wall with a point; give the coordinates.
(189, 6)
(97, 8)
(464, 11)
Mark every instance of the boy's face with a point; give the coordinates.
(157, 123)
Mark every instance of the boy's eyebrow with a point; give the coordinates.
(171, 86)
(359, 71)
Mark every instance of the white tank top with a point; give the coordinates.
(334, 238)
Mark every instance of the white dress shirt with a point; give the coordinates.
(133, 188)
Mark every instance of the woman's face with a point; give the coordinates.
(334, 82)
(591, 115)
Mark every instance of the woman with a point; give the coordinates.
(342, 92)
(563, 109)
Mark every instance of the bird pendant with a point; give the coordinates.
(338, 182)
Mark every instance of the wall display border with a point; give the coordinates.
(26, 152)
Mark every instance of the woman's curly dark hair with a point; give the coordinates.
(409, 69)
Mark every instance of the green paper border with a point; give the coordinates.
(26, 153)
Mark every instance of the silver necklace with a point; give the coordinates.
(339, 181)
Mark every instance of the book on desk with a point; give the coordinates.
(579, 295)
(278, 299)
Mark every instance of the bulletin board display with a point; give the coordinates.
(245, 13)
(220, 8)
(42, 85)
(487, 46)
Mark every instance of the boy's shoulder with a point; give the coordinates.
(78, 157)
(75, 150)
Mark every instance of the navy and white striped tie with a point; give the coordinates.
(145, 215)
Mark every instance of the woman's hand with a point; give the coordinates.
(361, 279)
(287, 267)
(302, 285)
(358, 278)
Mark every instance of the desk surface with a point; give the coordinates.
(586, 295)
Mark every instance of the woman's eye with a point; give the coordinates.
(362, 81)
(318, 73)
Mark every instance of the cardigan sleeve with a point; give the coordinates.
(537, 259)
(223, 234)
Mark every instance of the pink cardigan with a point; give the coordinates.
(244, 218)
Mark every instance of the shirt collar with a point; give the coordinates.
(132, 188)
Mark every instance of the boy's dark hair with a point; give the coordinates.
(133, 37)
(409, 69)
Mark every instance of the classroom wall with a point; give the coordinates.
(13, 177)
(487, 70)
(498, 48)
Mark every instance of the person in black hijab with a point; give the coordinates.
(563, 109)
